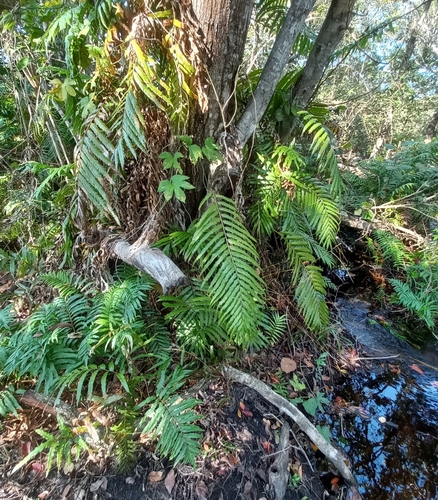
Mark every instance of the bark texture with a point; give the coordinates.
(273, 70)
(332, 31)
(152, 261)
(224, 25)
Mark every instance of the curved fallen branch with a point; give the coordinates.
(292, 411)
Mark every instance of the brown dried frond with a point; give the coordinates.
(139, 197)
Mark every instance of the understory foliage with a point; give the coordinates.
(100, 345)
(400, 191)
(94, 110)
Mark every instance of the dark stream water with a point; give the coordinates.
(397, 460)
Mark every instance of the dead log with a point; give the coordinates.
(297, 416)
(279, 470)
(151, 261)
(399, 231)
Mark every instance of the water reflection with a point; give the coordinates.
(397, 461)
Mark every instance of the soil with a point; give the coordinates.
(241, 433)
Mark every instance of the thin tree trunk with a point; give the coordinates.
(273, 70)
(332, 31)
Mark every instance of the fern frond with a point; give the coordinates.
(228, 260)
(322, 147)
(132, 131)
(95, 160)
(392, 248)
(8, 402)
(196, 320)
(310, 295)
(171, 418)
(320, 208)
(66, 283)
(274, 326)
(414, 303)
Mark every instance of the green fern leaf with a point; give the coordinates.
(228, 259)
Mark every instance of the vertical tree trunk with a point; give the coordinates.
(332, 31)
(224, 24)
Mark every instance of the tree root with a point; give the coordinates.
(292, 411)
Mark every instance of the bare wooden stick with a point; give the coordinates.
(279, 470)
(50, 405)
(295, 414)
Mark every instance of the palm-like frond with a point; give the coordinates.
(170, 418)
(228, 260)
(322, 147)
(95, 161)
(132, 131)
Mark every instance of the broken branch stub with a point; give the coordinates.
(295, 414)
(151, 261)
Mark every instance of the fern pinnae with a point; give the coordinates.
(228, 259)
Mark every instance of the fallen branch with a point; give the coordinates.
(141, 255)
(292, 411)
(279, 470)
(50, 405)
(151, 261)
(399, 231)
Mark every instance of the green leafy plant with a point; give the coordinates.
(63, 447)
(171, 417)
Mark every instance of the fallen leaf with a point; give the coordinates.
(335, 480)
(68, 468)
(169, 482)
(37, 467)
(130, 480)
(308, 363)
(44, 494)
(155, 476)
(239, 413)
(417, 369)
(26, 448)
(266, 446)
(274, 379)
(288, 365)
(201, 491)
(247, 413)
(242, 405)
(325, 378)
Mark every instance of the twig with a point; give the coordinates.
(292, 411)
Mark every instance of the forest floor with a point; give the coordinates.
(240, 442)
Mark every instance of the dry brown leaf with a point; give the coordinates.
(325, 378)
(201, 491)
(43, 495)
(66, 491)
(155, 476)
(288, 365)
(169, 482)
(417, 369)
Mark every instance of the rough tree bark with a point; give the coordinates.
(221, 176)
(273, 70)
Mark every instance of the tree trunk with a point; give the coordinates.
(273, 70)
(332, 31)
(225, 39)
